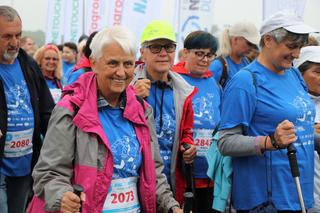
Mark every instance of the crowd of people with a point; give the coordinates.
(87, 128)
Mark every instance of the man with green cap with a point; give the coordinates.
(171, 99)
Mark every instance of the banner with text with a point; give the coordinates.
(136, 14)
(55, 19)
(192, 16)
(74, 18)
(96, 16)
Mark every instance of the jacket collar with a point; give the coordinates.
(180, 68)
(84, 94)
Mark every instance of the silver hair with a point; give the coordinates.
(115, 34)
(278, 34)
(282, 34)
(9, 13)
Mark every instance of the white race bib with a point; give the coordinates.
(18, 143)
(202, 140)
(122, 196)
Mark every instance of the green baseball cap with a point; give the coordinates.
(158, 29)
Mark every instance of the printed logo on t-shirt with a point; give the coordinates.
(126, 152)
(167, 128)
(165, 136)
(203, 109)
(18, 98)
(304, 120)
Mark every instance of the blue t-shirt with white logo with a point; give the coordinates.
(161, 100)
(18, 144)
(123, 141)
(259, 109)
(232, 68)
(55, 91)
(206, 107)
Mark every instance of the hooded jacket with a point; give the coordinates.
(76, 150)
(180, 68)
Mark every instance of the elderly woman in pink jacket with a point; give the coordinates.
(99, 138)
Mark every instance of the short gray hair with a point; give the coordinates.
(115, 34)
(282, 34)
(9, 13)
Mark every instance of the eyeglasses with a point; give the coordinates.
(51, 58)
(156, 48)
(201, 55)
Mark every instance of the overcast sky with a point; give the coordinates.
(33, 12)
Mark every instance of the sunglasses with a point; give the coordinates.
(156, 48)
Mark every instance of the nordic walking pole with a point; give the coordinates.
(77, 189)
(189, 194)
(291, 152)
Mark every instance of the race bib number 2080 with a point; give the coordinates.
(18, 143)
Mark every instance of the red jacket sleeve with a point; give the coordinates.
(186, 126)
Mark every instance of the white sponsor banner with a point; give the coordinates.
(74, 18)
(114, 12)
(139, 13)
(192, 16)
(55, 19)
(96, 15)
(272, 6)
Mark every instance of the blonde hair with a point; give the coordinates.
(225, 43)
(243, 29)
(39, 55)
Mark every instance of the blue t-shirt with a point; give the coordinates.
(55, 91)
(18, 145)
(161, 100)
(206, 106)
(232, 68)
(67, 69)
(123, 141)
(73, 76)
(259, 110)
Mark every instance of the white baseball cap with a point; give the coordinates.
(309, 53)
(287, 20)
(247, 30)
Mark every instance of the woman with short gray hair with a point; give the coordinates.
(99, 138)
(265, 108)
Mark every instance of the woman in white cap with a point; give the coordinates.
(308, 64)
(266, 107)
(235, 43)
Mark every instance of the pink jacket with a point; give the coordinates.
(81, 142)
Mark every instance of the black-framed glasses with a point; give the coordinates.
(201, 55)
(156, 48)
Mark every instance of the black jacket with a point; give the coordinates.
(41, 101)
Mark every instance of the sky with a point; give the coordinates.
(33, 12)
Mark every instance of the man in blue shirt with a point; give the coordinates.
(25, 107)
